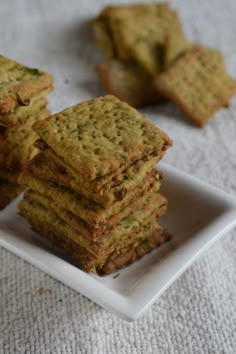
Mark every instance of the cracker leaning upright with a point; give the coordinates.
(94, 188)
(198, 83)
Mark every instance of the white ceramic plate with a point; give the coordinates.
(197, 215)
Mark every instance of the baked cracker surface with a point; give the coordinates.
(100, 136)
(198, 83)
(19, 84)
(140, 31)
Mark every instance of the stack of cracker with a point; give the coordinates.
(22, 101)
(94, 189)
(139, 41)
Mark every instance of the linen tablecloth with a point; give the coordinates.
(197, 314)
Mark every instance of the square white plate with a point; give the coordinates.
(197, 215)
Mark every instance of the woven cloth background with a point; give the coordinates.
(198, 312)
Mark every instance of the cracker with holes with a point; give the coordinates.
(94, 189)
(101, 188)
(101, 136)
(198, 83)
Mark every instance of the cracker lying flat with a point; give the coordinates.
(19, 84)
(198, 83)
(16, 145)
(99, 184)
(35, 211)
(128, 255)
(140, 32)
(61, 235)
(8, 192)
(127, 81)
(121, 185)
(91, 212)
(150, 204)
(100, 136)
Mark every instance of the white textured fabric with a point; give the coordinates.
(198, 312)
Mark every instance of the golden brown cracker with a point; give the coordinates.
(19, 84)
(94, 214)
(100, 136)
(16, 147)
(139, 32)
(62, 236)
(102, 36)
(198, 83)
(118, 188)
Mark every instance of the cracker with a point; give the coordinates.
(19, 84)
(102, 36)
(16, 146)
(94, 214)
(127, 81)
(125, 228)
(151, 203)
(140, 31)
(47, 224)
(8, 192)
(198, 83)
(175, 45)
(96, 185)
(100, 136)
(22, 113)
(130, 255)
(121, 185)
(61, 235)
